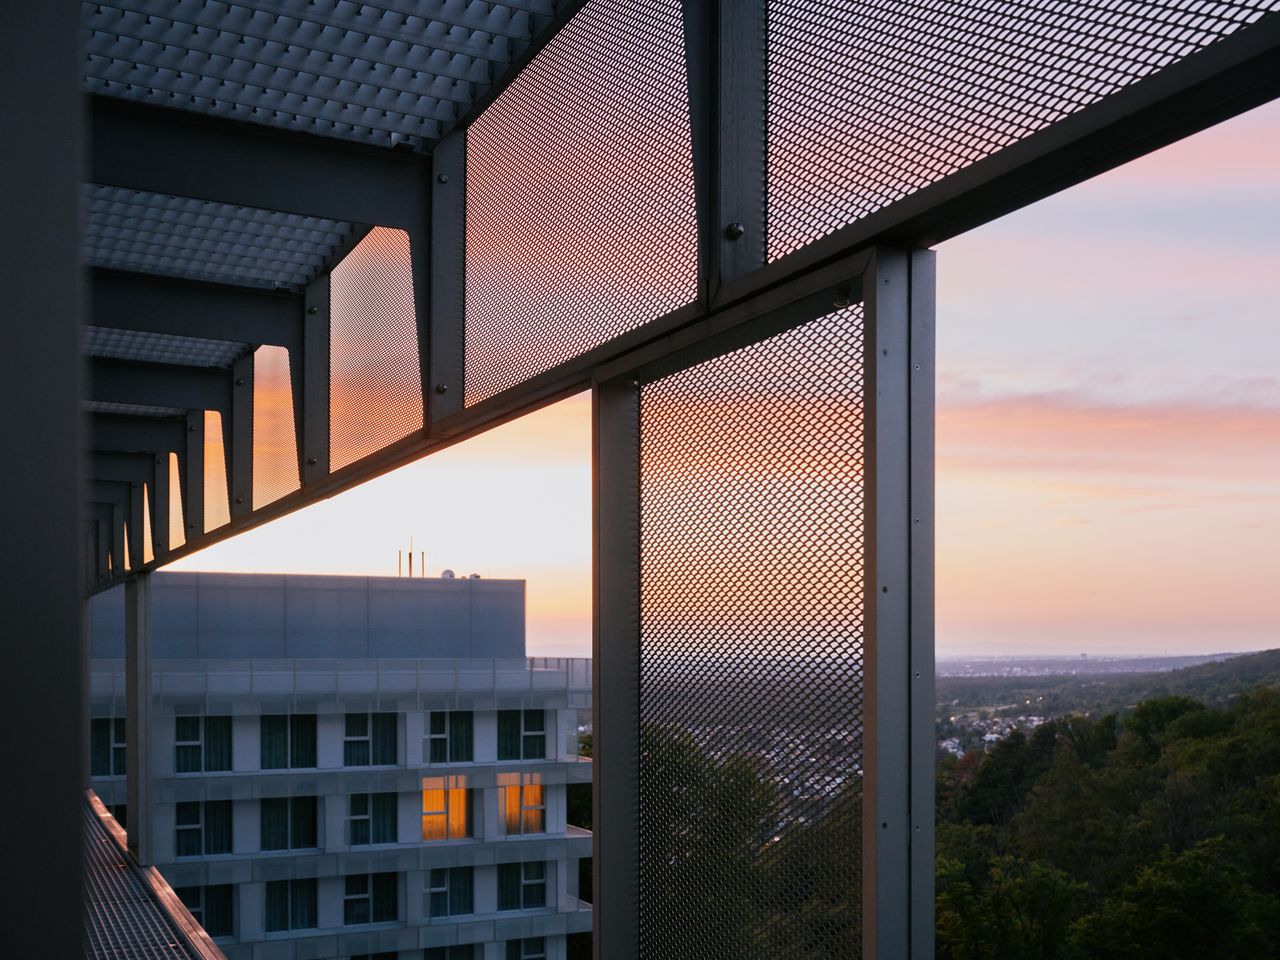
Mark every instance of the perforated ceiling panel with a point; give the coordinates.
(870, 100)
(580, 204)
(199, 240)
(399, 71)
(132, 409)
(161, 348)
(751, 651)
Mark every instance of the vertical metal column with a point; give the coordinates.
(193, 476)
(160, 493)
(448, 276)
(40, 392)
(240, 447)
(615, 702)
(137, 523)
(137, 681)
(897, 779)
(313, 438)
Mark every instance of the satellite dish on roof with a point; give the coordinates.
(447, 575)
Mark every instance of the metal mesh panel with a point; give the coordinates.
(148, 534)
(375, 381)
(870, 100)
(177, 524)
(217, 505)
(751, 650)
(580, 202)
(275, 449)
(161, 348)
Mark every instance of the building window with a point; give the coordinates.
(450, 891)
(289, 823)
(524, 803)
(288, 740)
(530, 948)
(202, 744)
(462, 951)
(203, 827)
(522, 886)
(370, 898)
(291, 905)
(446, 808)
(371, 818)
(370, 740)
(385, 955)
(213, 907)
(450, 736)
(522, 735)
(107, 747)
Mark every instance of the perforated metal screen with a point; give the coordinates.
(375, 381)
(751, 650)
(217, 503)
(275, 449)
(870, 100)
(580, 202)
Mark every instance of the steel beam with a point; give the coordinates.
(134, 434)
(191, 468)
(237, 438)
(161, 491)
(121, 467)
(137, 680)
(311, 385)
(161, 385)
(189, 308)
(185, 154)
(448, 277)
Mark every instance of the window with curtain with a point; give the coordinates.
(202, 744)
(213, 907)
(446, 808)
(371, 818)
(450, 891)
(450, 736)
(370, 898)
(107, 747)
(202, 827)
(523, 801)
(522, 886)
(288, 823)
(522, 735)
(530, 948)
(288, 741)
(291, 905)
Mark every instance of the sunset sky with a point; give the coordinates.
(1108, 434)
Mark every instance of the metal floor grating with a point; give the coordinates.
(123, 920)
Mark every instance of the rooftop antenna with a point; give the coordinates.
(422, 563)
(399, 563)
(411, 557)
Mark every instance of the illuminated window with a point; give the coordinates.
(370, 739)
(450, 891)
(523, 799)
(522, 735)
(522, 886)
(370, 898)
(202, 744)
(107, 743)
(446, 808)
(371, 818)
(450, 737)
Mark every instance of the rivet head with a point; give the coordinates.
(734, 230)
(311, 461)
(239, 381)
(191, 429)
(239, 499)
(313, 310)
(443, 178)
(442, 388)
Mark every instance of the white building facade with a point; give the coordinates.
(316, 793)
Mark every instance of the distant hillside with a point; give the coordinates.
(1210, 683)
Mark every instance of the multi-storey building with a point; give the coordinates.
(353, 766)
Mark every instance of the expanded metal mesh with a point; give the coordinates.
(177, 525)
(751, 649)
(870, 100)
(217, 502)
(375, 381)
(580, 203)
(275, 446)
